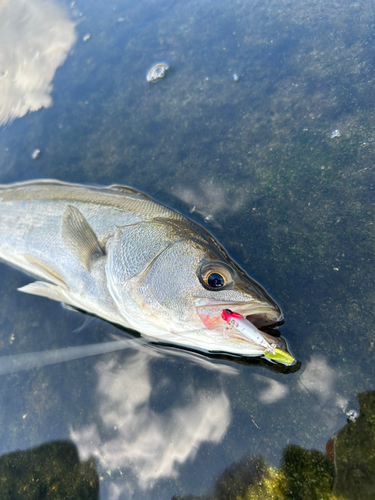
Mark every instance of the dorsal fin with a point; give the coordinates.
(78, 236)
(130, 191)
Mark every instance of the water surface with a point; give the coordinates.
(258, 162)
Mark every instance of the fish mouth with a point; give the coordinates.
(262, 320)
(260, 314)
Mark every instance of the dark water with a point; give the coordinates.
(291, 204)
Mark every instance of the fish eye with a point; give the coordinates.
(215, 280)
(215, 276)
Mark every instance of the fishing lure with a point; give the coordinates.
(248, 330)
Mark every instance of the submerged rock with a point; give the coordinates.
(354, 453)
(157, 72)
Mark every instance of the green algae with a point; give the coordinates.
(346, 472)
(354, 453)
(50, 471)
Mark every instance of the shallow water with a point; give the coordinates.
(252, 160)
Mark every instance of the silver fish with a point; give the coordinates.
(116, 253)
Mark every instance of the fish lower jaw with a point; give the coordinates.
(203, 341)
(209, 341)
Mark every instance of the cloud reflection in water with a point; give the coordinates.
(147, 444)
(35, 37)
(319, 378)
(273, 392)
(210, 199)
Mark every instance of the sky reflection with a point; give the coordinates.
(146, 444)
(35, 38)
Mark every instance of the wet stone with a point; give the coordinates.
(35, 154)
(157, 72)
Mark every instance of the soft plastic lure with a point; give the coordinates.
(248, 330)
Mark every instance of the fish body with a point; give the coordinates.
(116, 253)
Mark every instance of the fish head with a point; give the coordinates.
(179, 286)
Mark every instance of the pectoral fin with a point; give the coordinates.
(43, 289)
(78, 236)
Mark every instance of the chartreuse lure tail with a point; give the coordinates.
(280, 356)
